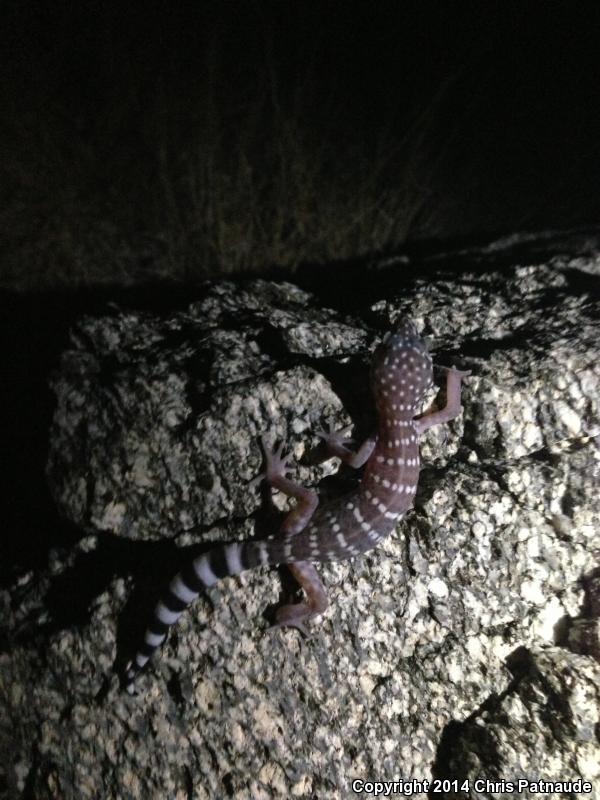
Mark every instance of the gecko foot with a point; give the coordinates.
(293, 616)
(315, 602)
(333, 439)
(276, 464)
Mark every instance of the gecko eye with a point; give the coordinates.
(406, 330)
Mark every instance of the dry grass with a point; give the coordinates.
(166, 145)
(214, 181)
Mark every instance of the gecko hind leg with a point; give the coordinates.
(305, 574)
(296, 614)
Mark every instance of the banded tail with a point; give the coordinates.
(201, 573)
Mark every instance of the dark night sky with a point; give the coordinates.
(386, 57)
(386, 54)
(512, 88)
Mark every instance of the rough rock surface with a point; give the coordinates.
(465, 647)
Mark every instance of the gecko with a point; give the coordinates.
(345, 527)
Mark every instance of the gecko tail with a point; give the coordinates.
(200, 574)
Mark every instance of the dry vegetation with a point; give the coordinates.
(246, 189)
(155, 185)
(134, 155)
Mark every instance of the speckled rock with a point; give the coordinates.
(157, 423)
(551, 702)
(465, 647)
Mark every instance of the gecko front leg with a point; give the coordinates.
(276, 467)
(337, 445)
(452, 408)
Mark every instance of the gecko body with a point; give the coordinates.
(401, 375)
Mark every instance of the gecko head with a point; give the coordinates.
(402, 371)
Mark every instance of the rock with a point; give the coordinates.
(465, 646)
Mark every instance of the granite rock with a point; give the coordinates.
(465, 646)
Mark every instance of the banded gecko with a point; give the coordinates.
(401, 375)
